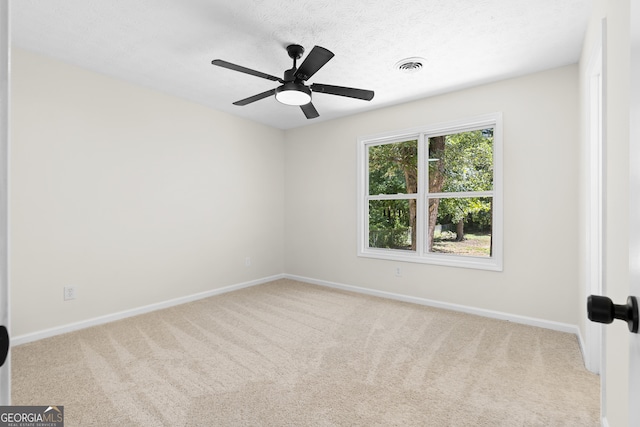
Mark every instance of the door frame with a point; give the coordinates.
(5, 55)
(634, 204)
(595, 201)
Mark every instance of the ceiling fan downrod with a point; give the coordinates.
(295, 52)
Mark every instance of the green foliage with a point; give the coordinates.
(389, 224)
(463, 164)
(468, 166)
(468, 162)
(393, 169)
(474, 211)
(389, 164)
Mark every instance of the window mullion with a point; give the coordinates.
(462, 194)
(423, 189)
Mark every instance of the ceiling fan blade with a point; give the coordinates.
(310, 111)
(234, 67)
(366, 95)
(255, 98)
(313, 62)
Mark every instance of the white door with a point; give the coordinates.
(634, 185)
(5, 370)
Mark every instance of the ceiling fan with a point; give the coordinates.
(293, 91)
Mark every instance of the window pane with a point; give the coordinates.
(393, 168)
(392, 224)
(460, 226)
(461, 162)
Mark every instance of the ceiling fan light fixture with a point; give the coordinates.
(292, 93)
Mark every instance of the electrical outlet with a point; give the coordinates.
(69, 293)
(398, 272)
(247, 261)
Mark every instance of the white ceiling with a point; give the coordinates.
(169, 44)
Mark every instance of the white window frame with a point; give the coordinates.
(422, 134)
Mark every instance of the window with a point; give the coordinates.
(433, 194)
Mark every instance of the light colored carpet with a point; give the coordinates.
(292, 354)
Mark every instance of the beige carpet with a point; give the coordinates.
(292, 354)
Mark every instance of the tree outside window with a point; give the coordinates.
(432, 194)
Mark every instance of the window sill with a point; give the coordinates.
(448, 260)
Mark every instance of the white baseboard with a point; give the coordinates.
(23, 339)
(547, 324)
(556, 326)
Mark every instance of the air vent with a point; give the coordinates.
(410, 65)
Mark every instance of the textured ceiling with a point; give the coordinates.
(169, 44)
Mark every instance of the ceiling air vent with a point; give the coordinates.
(410, 65)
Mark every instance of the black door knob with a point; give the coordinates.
(4, 344)
(602, 310)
